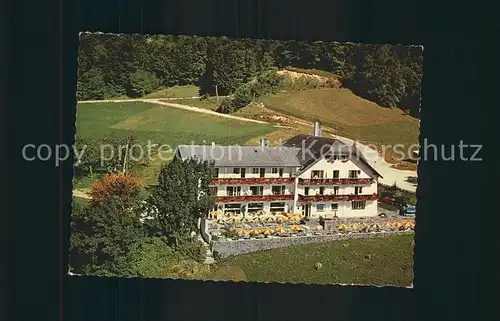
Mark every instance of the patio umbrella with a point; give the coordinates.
(232, 220)
(267, 232)
(409, 225)
(240, 232)
(295, 228)
(229, 214)
(279, 229)
(256, 232)
(342, 227)
(247, 232)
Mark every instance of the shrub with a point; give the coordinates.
(151, 257)
(226, 106)
(192, 249)
(242, 96)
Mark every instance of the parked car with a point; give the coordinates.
(408, 210)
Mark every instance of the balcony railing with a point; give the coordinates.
(326, 198)
(335, 181)
(254, 198)
(251, 181)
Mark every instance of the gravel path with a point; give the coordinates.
(81, 193)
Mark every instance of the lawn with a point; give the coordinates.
(348, 114)
(163, 126)
(380, 261)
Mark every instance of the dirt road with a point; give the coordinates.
(174, 105)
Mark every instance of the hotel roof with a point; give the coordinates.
(246, 156)
(299, 151)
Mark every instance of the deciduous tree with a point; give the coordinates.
(119, 185)
(182, 196)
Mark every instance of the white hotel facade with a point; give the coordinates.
(308, 174)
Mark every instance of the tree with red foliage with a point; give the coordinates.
(122, 186)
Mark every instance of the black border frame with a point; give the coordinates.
(39, 111)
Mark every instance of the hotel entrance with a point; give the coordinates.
(306, 210)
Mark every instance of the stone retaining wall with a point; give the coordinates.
(226, 248)
(207, 237)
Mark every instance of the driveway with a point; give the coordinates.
(390, 175)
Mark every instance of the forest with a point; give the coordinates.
(112, 66)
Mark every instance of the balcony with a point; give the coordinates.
(251, 181)
(335, 181)
(254, 198)
(328, 198)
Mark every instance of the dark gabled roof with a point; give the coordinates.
(299, 151)
(314, 148)
(246, 156)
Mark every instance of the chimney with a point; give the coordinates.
(317, 128)
(264, 142)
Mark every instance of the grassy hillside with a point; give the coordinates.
(380, 261)
(210, 103)
(175, 92)
(348, 114)
(163, 125)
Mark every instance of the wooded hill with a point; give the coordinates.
(134, 65)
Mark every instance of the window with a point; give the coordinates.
(336, 190)
(353, 174)
(257, 190)
(336, 174)
(306, 190)
(358, 205)
(274, 170)
(320, 207)
(358, 190)
(243, 172)
(236, 170)
(262, 172)
(316, 174)
(255, 207)
(216, 173)
(255, 171)
(335, 157)
(278, 190)
(281, 172)
(335, 206)
(233, 190)
(321, 190)
(277, 207)
(235, 208)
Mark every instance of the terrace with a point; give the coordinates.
(229, 226)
